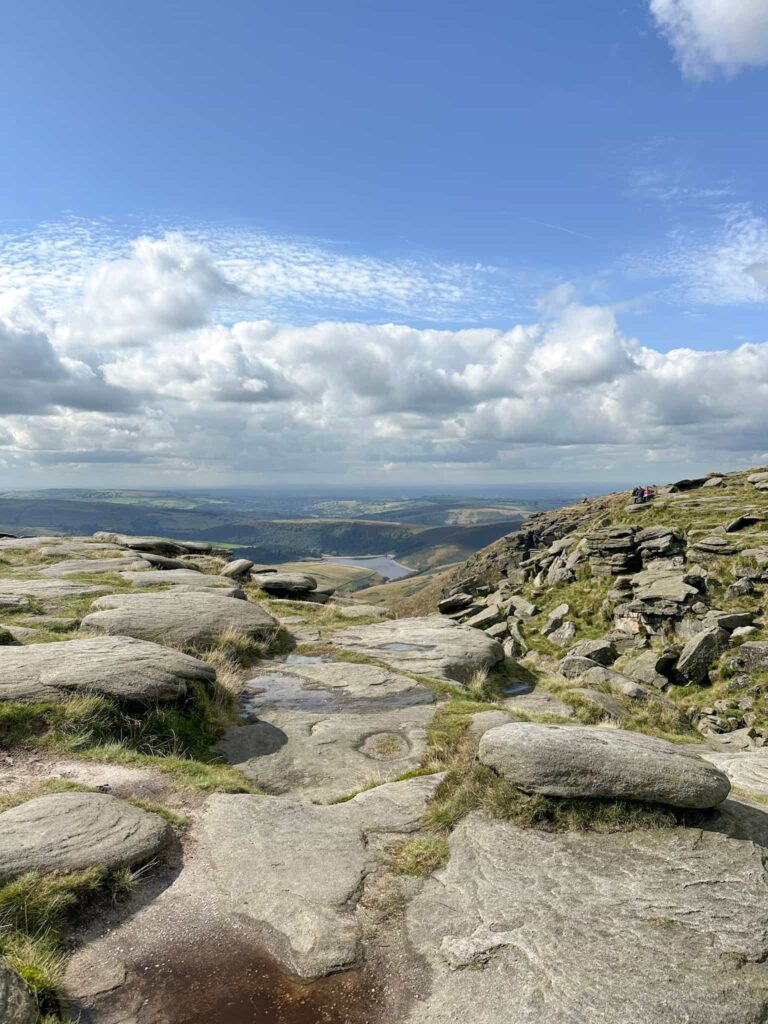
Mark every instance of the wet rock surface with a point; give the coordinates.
(311, 865)
(431, 646)
(319, 731)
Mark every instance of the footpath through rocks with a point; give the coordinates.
(229, 795)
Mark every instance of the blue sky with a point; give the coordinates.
(440, 166)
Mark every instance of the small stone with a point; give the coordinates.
(17, 1005)
(602, 652)
(555, 619)
(561, 637)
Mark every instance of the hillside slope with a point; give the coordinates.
(666, 597)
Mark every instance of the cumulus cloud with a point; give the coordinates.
(710, 36)
(153, 386)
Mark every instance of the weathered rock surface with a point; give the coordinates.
(589, 761)
(538, 703)
(747, 770)
(322, 730)
(573, 666)
(236, 569)
(17, 1005)
(72, 831)
(9, 603)
(616, 681)
(76, 566)
(46, 590)
(650, 667)
(699, 654)
(602, 652)
(752, 656)
(116, 666)
(666, 587)
(194, 618)
(188, 578)
(161, 561)
(284, 582)
(604, 701)
(155, 545)
(431, 646)
(310, 863)
(537, 928)
(322, 755)
(361, 611)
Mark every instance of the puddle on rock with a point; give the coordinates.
(232, 985)
(273, 690)
(308, 659)
(517, 689)
(397, 646)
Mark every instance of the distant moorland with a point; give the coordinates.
(424, 530)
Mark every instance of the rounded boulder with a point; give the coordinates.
(74, 831)
(588, 761)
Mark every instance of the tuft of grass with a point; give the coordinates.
(477, 684)
(236, 645)
(419, 856)
(166, 813)
(176, 739)
(35, 910)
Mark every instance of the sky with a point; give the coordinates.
(361, 242)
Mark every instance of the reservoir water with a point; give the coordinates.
(388, 567)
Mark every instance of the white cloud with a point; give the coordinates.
(138, 378)
(714, 35)
(245, 273)
(724, 267)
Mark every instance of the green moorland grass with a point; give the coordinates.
(35, 910)
(419, 856)
(175, 740)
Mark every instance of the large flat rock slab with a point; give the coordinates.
(526, 927)
(309, 866)
(278, 878)
(589, 761)
(27, 543)
(73, 831)
(332, 686)
(131, 670)
(320, 756)
(76, 566)
(47, 589)
(747, 769)
(194, 618)
(431, 646)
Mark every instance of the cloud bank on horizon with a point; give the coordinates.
(133, 370)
